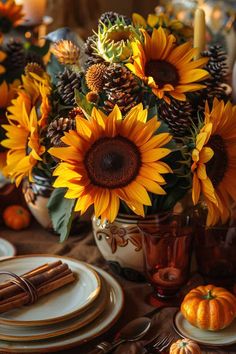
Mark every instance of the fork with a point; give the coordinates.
(160, 343)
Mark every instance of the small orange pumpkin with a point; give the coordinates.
(185, 346)
(209, 307)
(16, 217)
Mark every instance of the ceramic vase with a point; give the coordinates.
(37, 194)
(120, 243)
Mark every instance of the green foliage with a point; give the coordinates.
(61, 212)
(83, 103)
(41, 51)
(53, 68)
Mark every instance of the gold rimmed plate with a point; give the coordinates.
(101, 324)
(60, 305)
(226, 336)
(16, 334)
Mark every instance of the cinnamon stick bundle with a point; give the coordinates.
(44, 279)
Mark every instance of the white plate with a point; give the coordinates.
(104, 322)
(226, 336)
(15, 334)
(6, 248)
(61, 304)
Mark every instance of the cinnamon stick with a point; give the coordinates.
(36, 280)
(43, 290)
(22, 293)
(39, 270)
(45, 279)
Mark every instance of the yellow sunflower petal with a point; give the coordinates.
(136, 207)
(150, 185)
(196, 189)
(155, 154)
(138, 20)
(138, 193)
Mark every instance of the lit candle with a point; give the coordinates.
(199, 31)
(234, 82)
(34, 11)
(168, 277)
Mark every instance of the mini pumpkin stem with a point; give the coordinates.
(183, 344)
(209, 295)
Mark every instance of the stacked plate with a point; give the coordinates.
(6, 248)
(67, 317)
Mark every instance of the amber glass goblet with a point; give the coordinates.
(167, 247)
(215, 249)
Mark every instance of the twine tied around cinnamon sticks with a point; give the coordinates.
(25, 285)
(27, 288)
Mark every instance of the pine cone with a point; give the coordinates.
(121, 87)
(32, 57)
(217, 68)
(15, 55)
(92, 58)
(57, 128)
(178, 116)
(111, 17)
(216, 65)
(77, 111)
(68, 81)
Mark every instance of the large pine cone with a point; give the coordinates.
(121, 87)
(68, 81)
(57, 128)
(178, 116)
(15, 55)
(216, 65)
(217, 68)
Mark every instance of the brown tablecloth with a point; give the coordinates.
(36, 240)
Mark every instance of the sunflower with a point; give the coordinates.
(38, 90)
(166, 68)
(23, 143)
(160, 20)
(113, 42)
(178, 28)
(10, 15)
(214, 161)
(109, 159)
(7, 93)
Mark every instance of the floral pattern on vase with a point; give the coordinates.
(37, 194)
(120, 243)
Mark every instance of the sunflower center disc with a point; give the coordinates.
(217, 165)
(112, 162)
(162, 72)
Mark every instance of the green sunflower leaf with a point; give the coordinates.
(61, 212)
(83, 103)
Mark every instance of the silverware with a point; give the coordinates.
(133, 331)
(160, 343)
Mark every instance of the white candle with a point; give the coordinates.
(34, 11)
(234, 83)
(199, 31)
